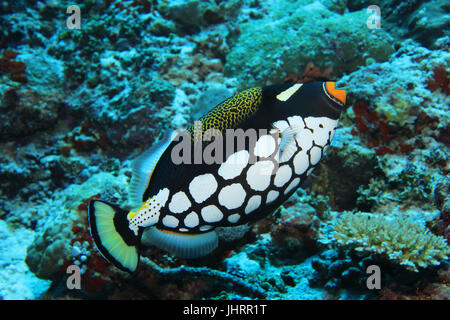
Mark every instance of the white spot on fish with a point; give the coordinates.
(305, 139)
(283, 175)
(170, 221)
(315, 155)
(253, 203)
(202, 187)
(265, 146)
(301, 162)
(296, 122)
(179, 203)
(292, 185)
(281, 125)
(205, 228)
(321, 126)
(258, 175)
(286, 94)
(234, 165)
(272, 196)
(234, 218)
(232, 196)
(191, 220)
(211, 214)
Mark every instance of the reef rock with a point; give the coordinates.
(32, 106)
(295, 233)
(424, 21)
(408, 84)
(17, 282)
(296, 33)
(192, 14)
(346, 157)
(53, 245)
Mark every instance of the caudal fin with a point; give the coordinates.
(113, 238)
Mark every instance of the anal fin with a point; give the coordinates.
(183, 245)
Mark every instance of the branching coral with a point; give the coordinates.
(406, 242)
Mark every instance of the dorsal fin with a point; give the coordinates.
(143, 166)
(230, 113)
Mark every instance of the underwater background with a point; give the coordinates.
(80, 99)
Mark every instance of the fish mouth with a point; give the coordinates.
(336, 95)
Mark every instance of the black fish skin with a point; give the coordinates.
(309, 101)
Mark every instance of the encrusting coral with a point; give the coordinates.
(406, 242)
(14, 68)
(311, 73)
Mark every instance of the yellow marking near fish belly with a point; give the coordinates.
(132, 214)
(286, 94)
(144, 206)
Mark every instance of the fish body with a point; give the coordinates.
(195, 181)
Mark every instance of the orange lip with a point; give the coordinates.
(337, 94)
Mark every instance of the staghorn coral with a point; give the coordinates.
(406, 242)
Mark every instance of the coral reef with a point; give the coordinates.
(412, 78)
(57, 242)
(77, 105)
(14, 68)
(34, 106)
(311, 73)
(406, 242)
(424, 21)
(18, 282)
(347, 156)
(260, 56)
(193, 14)
(441, 224)
(295, 232)
(346, 271)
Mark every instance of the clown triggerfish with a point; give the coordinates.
(280, 134)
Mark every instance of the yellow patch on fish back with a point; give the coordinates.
(229, 113)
